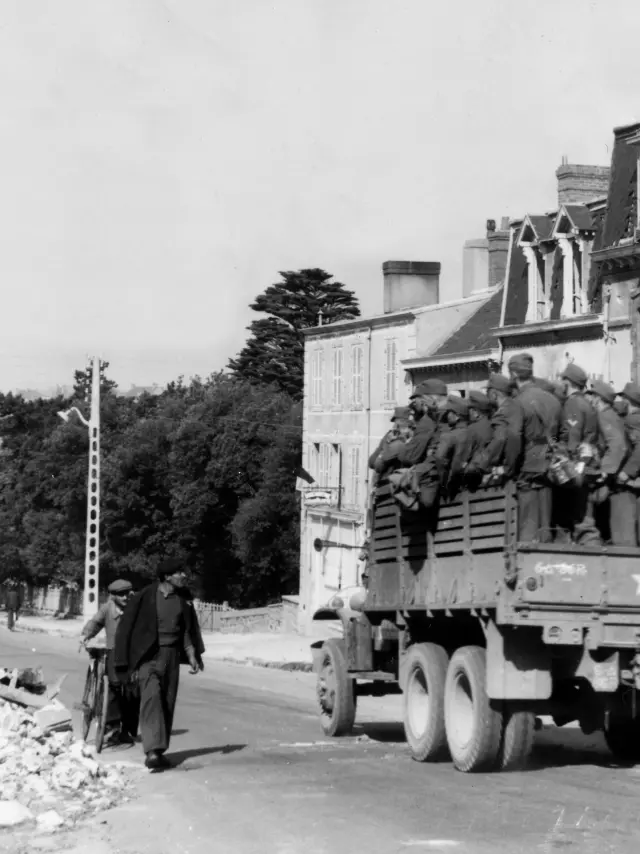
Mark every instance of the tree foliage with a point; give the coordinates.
(205, 471)
(274, 352)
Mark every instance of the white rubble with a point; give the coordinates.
(48, 776)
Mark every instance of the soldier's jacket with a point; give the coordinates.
(612, 441)
(450, 456)
(479, 436)
(579, 423)
(504, 446)
(375, 461)
(415, 450)
(632, 428)
(538, 424)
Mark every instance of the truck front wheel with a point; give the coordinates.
(473, 725)
(426, 673)
(336, 691)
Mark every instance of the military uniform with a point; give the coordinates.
(538, 425)
(504, 445)
(452, 448)
(479, 433)
(389, 444)
(614, 452)
(573, 506)
(631, 468)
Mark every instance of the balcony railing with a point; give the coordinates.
(322, 496)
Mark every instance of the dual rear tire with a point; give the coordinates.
(447, 712)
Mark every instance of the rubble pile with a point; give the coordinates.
(46, 775)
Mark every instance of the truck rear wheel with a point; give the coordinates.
(623, 738)
(518, 733)
(474, 726)
(423, 702)
(336, 690)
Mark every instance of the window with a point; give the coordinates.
(390, 370)
(317, 373)
(327, 464)
(338, 379)
(354, 476)
(357, 375)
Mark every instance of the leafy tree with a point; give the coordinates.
(274, 352)
(82, 383)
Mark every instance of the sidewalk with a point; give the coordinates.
(280, 651)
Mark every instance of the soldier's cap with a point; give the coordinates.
(521, 365)
(631, 392)
(500, 383)
(575, 374)
(119, 586)
(434, 386)
(603, 390)
(458, 405)
(401, 413)
(479, 401)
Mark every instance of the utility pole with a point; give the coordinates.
(92, 546)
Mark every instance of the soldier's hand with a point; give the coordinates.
(623, 477)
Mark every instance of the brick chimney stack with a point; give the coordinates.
(580, 184)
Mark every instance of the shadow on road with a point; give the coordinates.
(179, 732)
(181, 756)
(388, 733)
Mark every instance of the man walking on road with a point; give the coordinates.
(158, 631)
(13, 606)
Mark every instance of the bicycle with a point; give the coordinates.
(95, 698)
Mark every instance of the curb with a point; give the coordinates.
(33, 630)
(292, 666)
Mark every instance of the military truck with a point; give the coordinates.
(482, 634)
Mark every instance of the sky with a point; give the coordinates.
(162, 160)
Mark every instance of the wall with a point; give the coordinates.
(279, 618)
(50, 600)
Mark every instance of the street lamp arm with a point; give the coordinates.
(65, 415)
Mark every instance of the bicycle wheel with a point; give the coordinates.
(102, 702)
(88, 700)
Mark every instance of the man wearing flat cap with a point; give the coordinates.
(574, 506)
(158, 631)
(121, 724)
(613, 454)
(538, 430)
(452, 449)
(629, 477)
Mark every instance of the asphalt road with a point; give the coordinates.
(253, 773)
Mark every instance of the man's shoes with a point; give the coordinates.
(155, 761)
(125, 738)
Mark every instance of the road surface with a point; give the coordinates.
(253, 773)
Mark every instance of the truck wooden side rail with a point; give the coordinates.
(482, 634)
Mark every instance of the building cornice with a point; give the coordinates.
(581, 322)
(468, 358)
(334, 329)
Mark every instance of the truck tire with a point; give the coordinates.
(474, 725)
(423, 702)
(518, 733)
(336, 690)
(623, 738)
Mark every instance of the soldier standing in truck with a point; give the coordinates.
(538, 422)
(629, 477)
(452, 448)
(613, 454)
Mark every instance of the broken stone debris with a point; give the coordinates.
(46, 775)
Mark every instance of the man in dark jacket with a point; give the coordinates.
(156, 633)
(400, 432)
(13, 606)
(479, 433)
(629, 477)
(539, 424)
(574, 504)
(613, 454)
(501, 453)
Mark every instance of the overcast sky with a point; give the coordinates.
(160, 162)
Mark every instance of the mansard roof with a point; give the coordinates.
(577, 217)
(477, 334)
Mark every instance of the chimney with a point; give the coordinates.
(498, 241)
(410, 284)
(580, 184)
(484, 261)
(475, 266)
